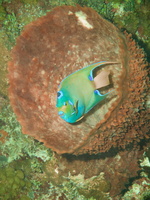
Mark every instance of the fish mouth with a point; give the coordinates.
(60, 113)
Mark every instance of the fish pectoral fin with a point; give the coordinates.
(76, 107)
(102, 79)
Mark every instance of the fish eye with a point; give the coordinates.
(59, 94)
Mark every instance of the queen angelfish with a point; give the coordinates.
(78, 93)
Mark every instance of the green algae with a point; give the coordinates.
(10, 27)
(14, 23)
(2, 13)
(146, 195)
(33, 2)
(3, 160)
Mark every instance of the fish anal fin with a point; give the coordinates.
(102, 79)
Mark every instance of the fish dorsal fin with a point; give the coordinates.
(102, 79)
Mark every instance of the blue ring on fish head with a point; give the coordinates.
(59, 94)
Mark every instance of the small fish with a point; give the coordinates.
(78, 93)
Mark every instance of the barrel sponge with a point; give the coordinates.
(54, 46)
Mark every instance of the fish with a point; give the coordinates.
(79, 92)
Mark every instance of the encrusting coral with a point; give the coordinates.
(54, 46)
(13, 184)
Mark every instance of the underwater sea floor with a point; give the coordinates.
(28, 169)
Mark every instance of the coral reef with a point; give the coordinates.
(18, 16)
(4, 58)
(133, 16)
(41, 59)
(3, 136)
(129, 15)
(2, 14)
(140, 188)
(14, 144)
(75, 177)
(96, 176)
(17, 179)
(13, 183)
